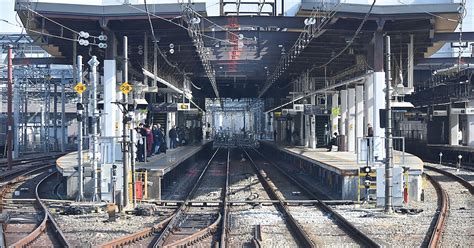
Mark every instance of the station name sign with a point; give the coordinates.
(162, 107)
(314, 110)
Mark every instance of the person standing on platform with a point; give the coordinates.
(370, 131)
(173, 137)
(370, 142)
(149, 141)
(275, 135)
(157, 138)
(140, 143)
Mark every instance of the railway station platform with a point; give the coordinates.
(451, 152)
(338, 172)
(156, 166)
(162, 169)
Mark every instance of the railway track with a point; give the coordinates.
(331, 228)
(207, 216)
(190, 225)
(198, 218)
(23, 165)
(27, 219)
(455, 201)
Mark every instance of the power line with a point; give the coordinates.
(38, 32)
(215, 24)
(156, 41)
(350, 42)
(53, 21)
(177, 24)
(427, 12)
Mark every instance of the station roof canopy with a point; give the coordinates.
(244, 51)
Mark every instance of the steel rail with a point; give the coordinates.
(342, 222)
(295, 227)
(182, 209)
(129, 239)
(19, 176)
(47, 220)
(443, 206)
(225, 209)
(29, 160)
(457, 178)
(198, 236)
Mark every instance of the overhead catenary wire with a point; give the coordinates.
(160, 51)
(38, 32)
(287, 56)
(177, 24)
(427, 12)
(156, 41)
(53, 21)
(215, 24)
(350, 42)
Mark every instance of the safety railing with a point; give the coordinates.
(372, 149)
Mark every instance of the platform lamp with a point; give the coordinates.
(459, 162)
(440, 157)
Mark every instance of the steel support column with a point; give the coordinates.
(93, 62)
(78, 77)
(388, 131)
(63, 114)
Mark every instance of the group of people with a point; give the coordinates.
(152, 139)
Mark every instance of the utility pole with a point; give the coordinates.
(80, 110)
(388, 130)
(63, 114)
(9, 109)
(124, 131)
(93, 63)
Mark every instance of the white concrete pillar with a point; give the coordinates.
(379, 103)
(453, 129)
(470, 130)
(368, 102)
(300, 129)
(334, 118)
(359, 113)
(110, 95)
(350, 129)
(312, 126)
(170, 120)
(343, 127)
(307, 127)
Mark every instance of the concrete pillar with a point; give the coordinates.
(312, 124)
(301, 129)
(368, 102)
(110, 109)
(453, 129)
(170, 119)
(334, 118)
(379, 103)
(343, 127)
(16, 119)
(470, 130)
(350, 129)
(359, 113)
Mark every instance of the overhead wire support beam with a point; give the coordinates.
(313, 28)
(171, 86)
(194, 31)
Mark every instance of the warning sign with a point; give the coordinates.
(80, 87)
(125, 88)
